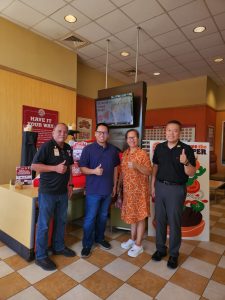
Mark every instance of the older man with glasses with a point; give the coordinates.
(99, 163)
(53, 161)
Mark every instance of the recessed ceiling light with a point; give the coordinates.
(70, 19)
(124, 53)
(199, 29)
(156, 73)
(218, 59)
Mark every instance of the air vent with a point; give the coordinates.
(130, 72)
(76, 41)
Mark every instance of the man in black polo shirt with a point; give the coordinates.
(53, 161)
(173, 163)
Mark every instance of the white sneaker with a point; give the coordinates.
(135, 251)
(128, 244)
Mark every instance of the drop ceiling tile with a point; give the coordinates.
(66, 10)
(189, 13)
(189, 57)
(175, 70)
(92, 32)
(208, 23)
(223, 34)
(120, 66)
(213, 51)
(170, 38)
(91, 51)
(169, 62)
(123, 58)
(142, 61)
(45, 7)
(158, 25)
(111, 59)
(157, 55)
(171, 4)
(22, 13)
(220, 21)
(115, 21)
(82, 57)
(215, 7)
(5, 3)
(141, 10)
(121, 2)
(195, 65)
(148, 68)
(180, 49)
(129, 35)
(146, 46)
(94, 8)
(208, 41)
(182, 76)
(50, 28)
(114, 43)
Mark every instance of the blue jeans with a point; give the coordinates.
(51, 206)
(96, 213)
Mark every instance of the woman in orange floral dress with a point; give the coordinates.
(135, 171)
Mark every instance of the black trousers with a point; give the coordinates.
(169, 200)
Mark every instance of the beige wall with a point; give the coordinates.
(15, 91)
(177, 94)
(30, 53)
(211, 93)
(221, 98)
(220, 118)
(89, 81)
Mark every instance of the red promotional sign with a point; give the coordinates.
(41, 120)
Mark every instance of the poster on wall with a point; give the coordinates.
(195, 217)
(84, 126)
(42, 122)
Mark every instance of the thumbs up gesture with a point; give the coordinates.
(183, 157)
(98, 170)
(61, 168)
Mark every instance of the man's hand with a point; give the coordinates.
(98, 170)
(153, 192)
(70, 191)
(183, 157)
(114, 191)
(61, 168)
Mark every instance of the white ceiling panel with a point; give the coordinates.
(169, 62)
(114, 43)
(189, 13)
(91, 51)
(111, 59)
(207, 41)
(223, 34)
(141, 61)
(149, 68)
(146, 46)
(94, 8)
(170, 38)
(195, 65)
(129, 35)
(5, 3)
(171, 4)
(92, 32)
(220, 21)
(188, 57)
(120, 66)
(157, 55)
(45, 7)
(70, 10)
(121, 2)
(176, 69)
(158, 25)
(23, 14)
(213, 51)
(115, 21)
(215, 6)
(141, 10)
(93, 63)
(208, 23)
(52, 29)
(180, 49)
(124, 58)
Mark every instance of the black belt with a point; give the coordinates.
(170, 183)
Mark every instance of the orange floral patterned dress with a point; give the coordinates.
(136, 193)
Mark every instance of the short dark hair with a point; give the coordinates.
(102, 124)
(174, 122)
(130, 130)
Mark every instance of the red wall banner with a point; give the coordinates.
(41, 120)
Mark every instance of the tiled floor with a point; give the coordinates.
(113, 275)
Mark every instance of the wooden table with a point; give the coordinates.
(215, 185)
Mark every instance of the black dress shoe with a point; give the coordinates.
(172, 262)
(157, 256)
(46, 264)
(104, 245)
(65, 252)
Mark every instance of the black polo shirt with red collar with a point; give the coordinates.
(168, 160)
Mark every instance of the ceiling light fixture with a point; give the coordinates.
(124, 53)
(70, 19)
(199, 29)
(218, 59)
(156, 73)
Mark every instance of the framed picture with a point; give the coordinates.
(211, 137)
(84, 125)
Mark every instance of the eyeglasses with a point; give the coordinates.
(105, 133)
(131, 138)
